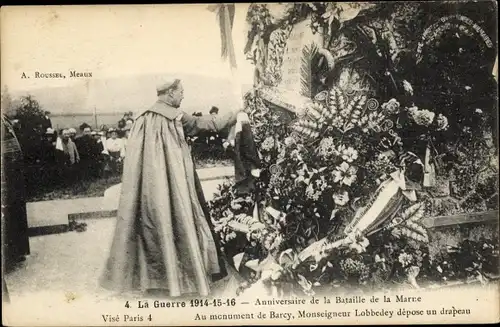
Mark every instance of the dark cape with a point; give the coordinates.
(15, 239)
(246, 159)
(164, 237)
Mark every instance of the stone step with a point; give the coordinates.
(207, 174)
(48, 217)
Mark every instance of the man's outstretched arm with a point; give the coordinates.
(194, 125)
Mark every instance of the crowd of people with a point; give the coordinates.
(63, 156)
(208, 144)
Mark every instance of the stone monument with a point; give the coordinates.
(293, 91)
(300, 37)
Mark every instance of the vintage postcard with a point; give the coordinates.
(312, 163)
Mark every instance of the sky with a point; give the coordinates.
(115, 41)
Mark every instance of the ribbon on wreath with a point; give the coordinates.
(367, 220)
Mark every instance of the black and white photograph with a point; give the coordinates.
(250, 164)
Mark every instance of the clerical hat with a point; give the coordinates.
(165, 85)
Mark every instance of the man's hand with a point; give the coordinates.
(242, 117)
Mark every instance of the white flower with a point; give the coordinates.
(486, 246)
(344, 174)
(268, 143)
(479, 111)
(405, 259)
(363, 123)
(442, 123)
(338, 122)
(321, 184)
(360, 244)
(340, 149)
(311, 193)
(289, 141)
(345, 113)
(326, 147)
(391, 107)
(341, 199)
(349, 154)
(407, 87)
(423, 117)
(295, 155)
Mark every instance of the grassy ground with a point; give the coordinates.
(96, 187)
(81, 189)
(209, 163)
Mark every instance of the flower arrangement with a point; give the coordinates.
(335, 188)
(345, 187)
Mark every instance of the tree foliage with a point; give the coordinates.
(30, 114)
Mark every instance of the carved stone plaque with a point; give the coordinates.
(300, 37)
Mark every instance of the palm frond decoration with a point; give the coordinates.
(408, 224)
(337, 101)
(308, 52)
(306, 128)
(316, 111)
(244, 223)
(335, 108)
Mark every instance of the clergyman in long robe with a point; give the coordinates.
(164, 237)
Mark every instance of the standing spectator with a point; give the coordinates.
(46, 121)
(121, 125)
(97, 153)
(114, 145)
(83, 126)
(213, 141)
(68, 156)
(124, 144)
(48, 168)
(106, 168)
(102, 139)
(214, 111)
(49, 147)
(84, 144)
(129, 123)
(72, 134)
(68, 148)
(128, 115)
(51, 134)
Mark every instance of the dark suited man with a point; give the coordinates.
(46, 122)
(85, 146)
(15, 239)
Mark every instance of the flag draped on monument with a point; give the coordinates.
(225, 14)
